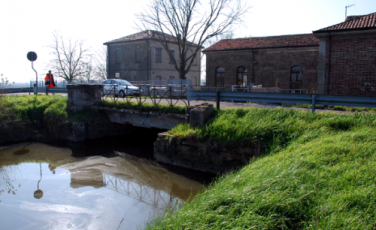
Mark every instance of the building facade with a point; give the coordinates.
(287, 62)
(347, 57)
(337, 60)
(141, 57)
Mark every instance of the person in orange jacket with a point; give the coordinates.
(49, 80)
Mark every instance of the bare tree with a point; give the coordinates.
(89, 71)
(101, 63)
(192, 23)
(70, 58)
(208, 43)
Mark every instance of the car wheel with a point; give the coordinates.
(122, 94)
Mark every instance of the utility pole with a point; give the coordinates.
(346, 9)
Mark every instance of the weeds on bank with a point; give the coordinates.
(144, 107)
(319, 174)
(268, 127)
(39, 107)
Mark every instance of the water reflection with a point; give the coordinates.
(22, 151)
(39, 193)
(84, 193)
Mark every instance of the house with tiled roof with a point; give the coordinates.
(347, 57)
(141, 57)
(338, 60)
(287, 62)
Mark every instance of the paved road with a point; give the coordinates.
(223, 104)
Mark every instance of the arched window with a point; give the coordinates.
(296, 74)
(219, 77)
(241, 76)
(296, 78)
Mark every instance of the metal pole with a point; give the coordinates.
(313, 103)
(36, 79)
(218, 100)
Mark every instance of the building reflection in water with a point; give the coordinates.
(140, 179)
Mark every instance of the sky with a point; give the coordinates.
(29, 25)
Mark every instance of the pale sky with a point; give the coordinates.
(29, 25)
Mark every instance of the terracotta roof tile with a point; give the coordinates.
(265, 42)
(353, 23)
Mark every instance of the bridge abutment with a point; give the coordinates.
(83, 97)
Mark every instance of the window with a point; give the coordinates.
(296, 79)
(158, 55)
(219, 77)
(241, 76)
(172, 53)
(117, 56)
(296, 74)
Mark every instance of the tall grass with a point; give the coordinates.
(32, 108)
(37, 108)
(319, 174)
(268, 127)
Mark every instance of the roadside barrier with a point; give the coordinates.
(313, 99)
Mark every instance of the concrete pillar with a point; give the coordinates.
(199, 114)
(321, 68)
(83, 97)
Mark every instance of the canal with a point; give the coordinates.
(112, 183)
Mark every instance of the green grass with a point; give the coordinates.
(144, 107)
(318, 174)
(339, 108)
(32, 108)
(37, 108)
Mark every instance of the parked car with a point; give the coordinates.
(119, 88)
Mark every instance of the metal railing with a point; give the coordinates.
(155, 94)
(312, 99)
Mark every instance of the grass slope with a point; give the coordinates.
(319, 174)
(35, 108)
(32, 107)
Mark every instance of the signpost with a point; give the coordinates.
(32, 56)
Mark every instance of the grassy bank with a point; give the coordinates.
(32, 108)
(37, 108)
(143, 107)
(319, 173)
(337, 107)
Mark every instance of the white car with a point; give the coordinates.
(119, 88)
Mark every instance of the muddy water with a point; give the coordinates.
(48, 187)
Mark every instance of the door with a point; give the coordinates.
(296, 78)
(242, 77)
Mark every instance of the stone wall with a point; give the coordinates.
(265, 66)
(83, 97)
(206, 156)
(22, 131)
(144, 119)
